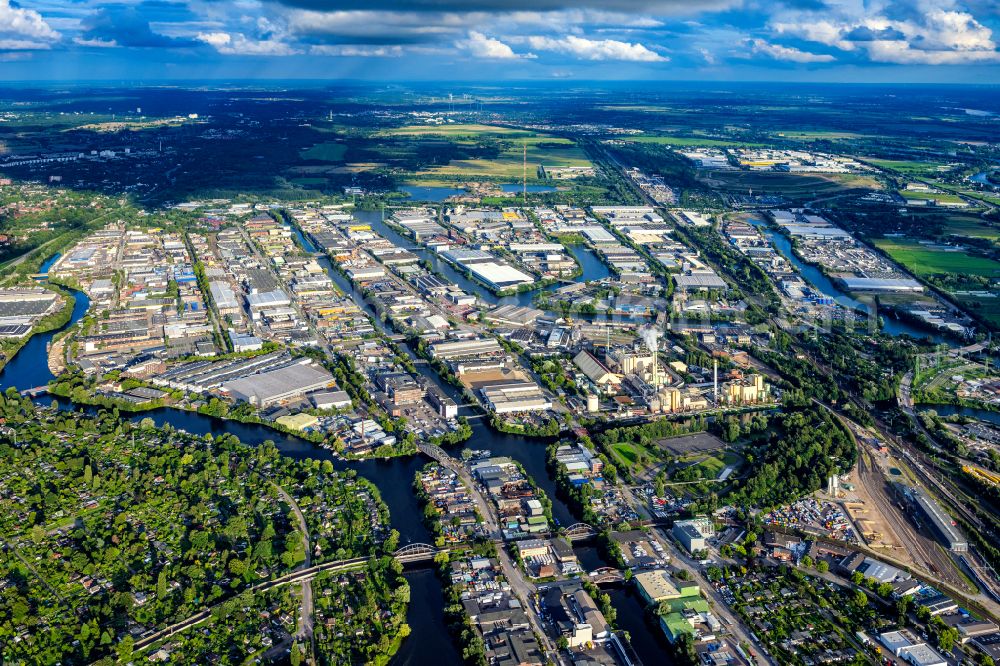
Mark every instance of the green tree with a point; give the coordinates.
(161, 584)
(124, 649)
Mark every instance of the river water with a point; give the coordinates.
(815, 277)
(983, 179)
(970, 412)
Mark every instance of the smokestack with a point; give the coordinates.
(650, 336)
(715, 380)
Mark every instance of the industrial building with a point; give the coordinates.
(699, 282)
(525, 396)
(942, 524)
(656, 586)
(882, 284)
(693, 534)
(224, 298)
(279, 385)
(596, 371)
(401, 387)
(512, 315)
(445, 406)
(466, 349)
(905, 645)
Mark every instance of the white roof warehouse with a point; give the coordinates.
(279, 385)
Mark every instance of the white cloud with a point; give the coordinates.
(935, 33)
(95, 43)
(779, 52)
(481, 46)
(821, 31)
(22, 45)
(24, 22)
(595, 49)
(24, 29)
(239, 44)
(347, 50)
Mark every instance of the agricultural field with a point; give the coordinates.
(816, 135)
(925, 260)
(984, 307)
(791, 186)
(455, 131)
(940, 197)
(910, 168)
(325, 152)
(971, 226)
(684, 141)
(541, 150)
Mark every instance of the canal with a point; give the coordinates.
(816, 278)
(431, 643)
(968, 412)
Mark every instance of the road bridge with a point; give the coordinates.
(606, 576)
(580, 532)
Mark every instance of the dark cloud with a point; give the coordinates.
(129, 26)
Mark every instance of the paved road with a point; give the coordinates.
(523, 589)
(734, 625)
(305, 624)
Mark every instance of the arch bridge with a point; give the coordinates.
(606, 575)
(581, 532)
(417, 552)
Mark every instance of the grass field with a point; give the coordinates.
(909, 167)
(924, 260)
(973, 227)
(814, 135)
(626, 453)
(713, 465)
(942, 197)
(689, 141)
(471, 130)
(786, 184)
(541, 149)
(325, 152)
(987, 308)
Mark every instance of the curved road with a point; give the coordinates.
(305, 625)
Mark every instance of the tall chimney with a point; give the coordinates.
(715, 380)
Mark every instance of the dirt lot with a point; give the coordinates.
(479, 379)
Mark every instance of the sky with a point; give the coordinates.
(485, 41)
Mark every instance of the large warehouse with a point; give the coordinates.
(279, 385)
